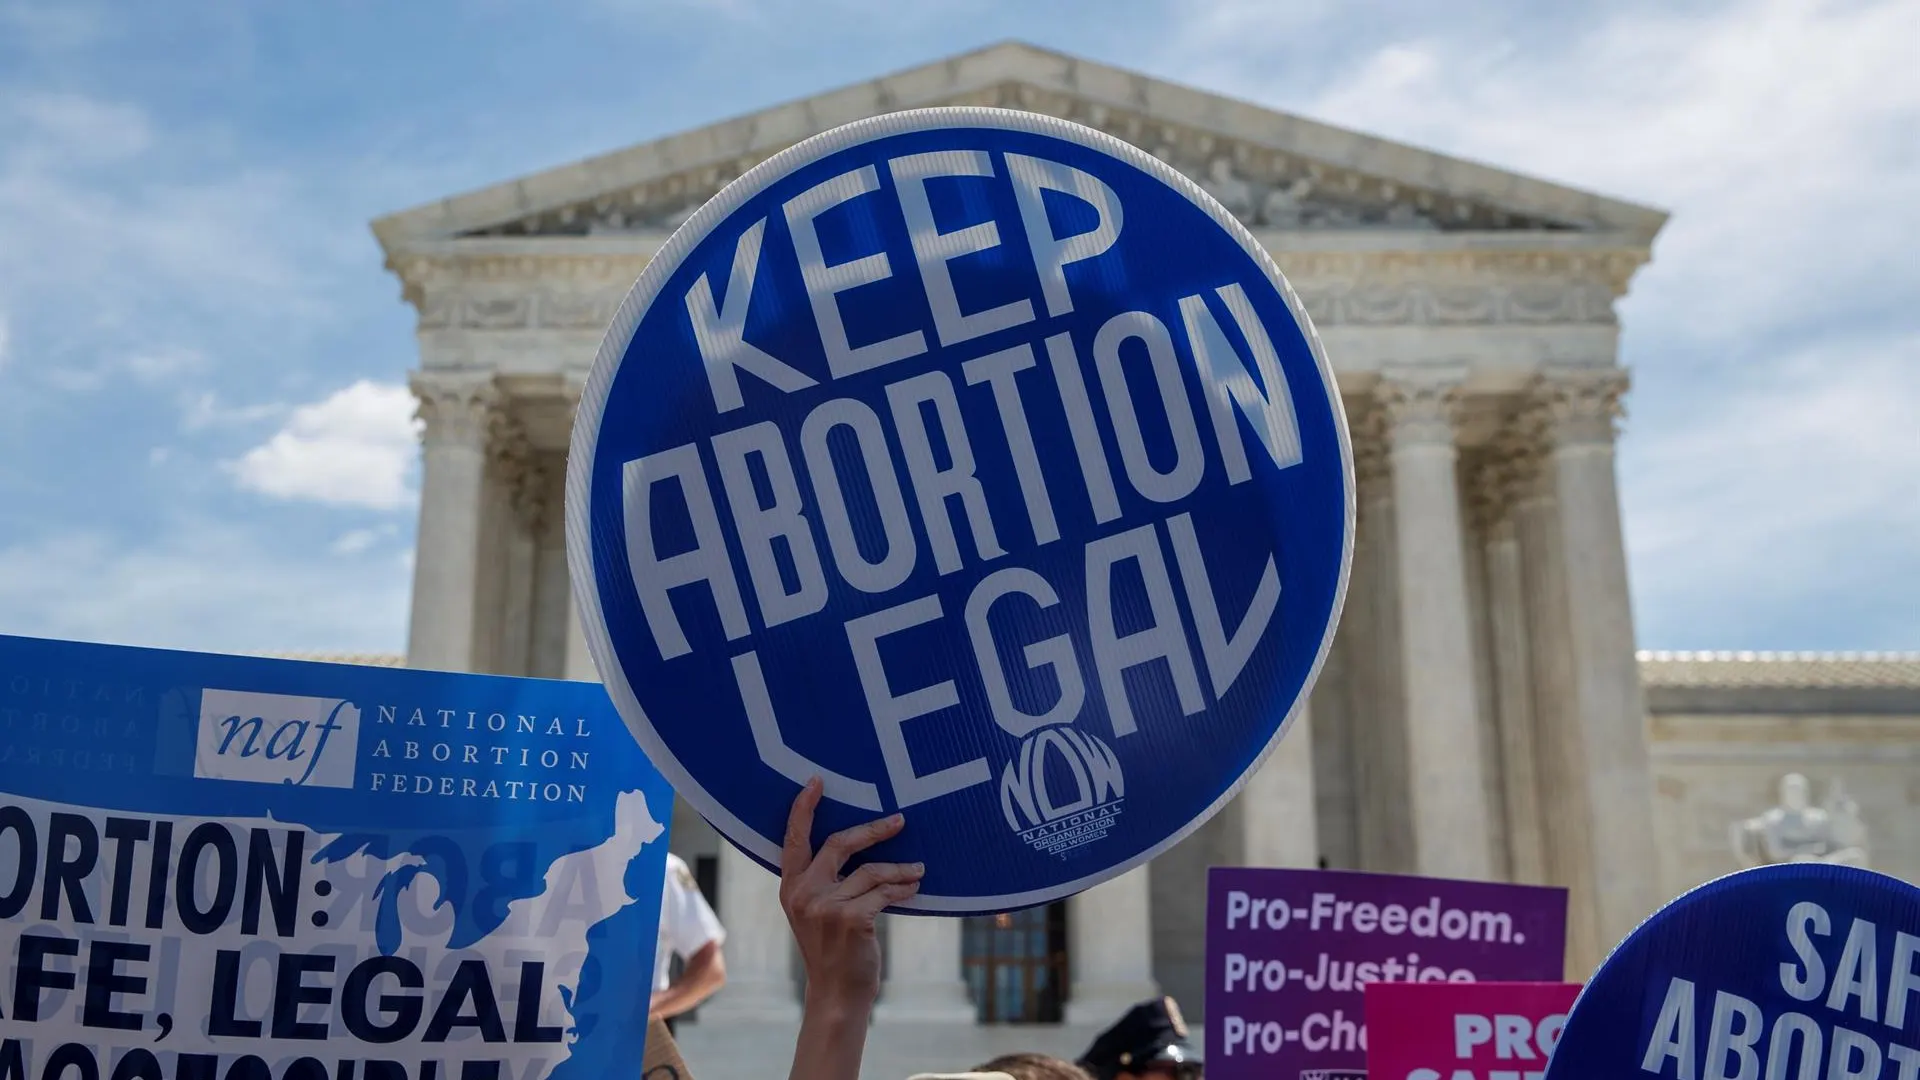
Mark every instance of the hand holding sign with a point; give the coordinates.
(833, 920)
(833, 915)
(972, 461)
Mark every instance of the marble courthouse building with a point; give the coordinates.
(1483, 713)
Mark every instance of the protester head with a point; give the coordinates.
(1148, 1043)
(1014, 1067)
(1033, 1067)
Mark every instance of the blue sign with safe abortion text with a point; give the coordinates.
(979, 464)
(1801, 970)
(226, 866)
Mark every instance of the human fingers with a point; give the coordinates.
(796, 851)
(880, 898)
(847, 843)
(873, 875)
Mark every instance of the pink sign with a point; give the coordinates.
(1464, 1031)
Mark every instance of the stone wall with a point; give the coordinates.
(1725, 728)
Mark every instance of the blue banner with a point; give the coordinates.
(980, 464)
(234, 868)
(1802, 971)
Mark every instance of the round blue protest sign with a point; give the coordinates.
(981, 465)
(1802, 970)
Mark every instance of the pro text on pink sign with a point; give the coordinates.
(1477, 1031)
(1289, 953)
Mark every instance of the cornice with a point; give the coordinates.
(1755, 670)
(1781, 670)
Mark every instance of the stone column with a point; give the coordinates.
(924, 982)
(1498, 488)
(1473, 543)
(1447, 795)
(456, 411)
(1111, 932)
(759, 946)
(1560, 771)
(1278, 822)
(579, 662)
(1607, 710)
(524, 476)
(1383, 828)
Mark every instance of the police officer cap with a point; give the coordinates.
(1151, 1033)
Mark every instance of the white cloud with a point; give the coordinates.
(120, 232)
(360, 541)
(205, 410)
(226, 586)
(1784, 176)
(1769, 474)
(355, 448)
(165, 365)
(1789, 502)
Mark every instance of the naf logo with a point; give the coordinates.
(276, 739)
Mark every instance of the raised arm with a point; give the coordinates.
(833, 921)
(705, 974)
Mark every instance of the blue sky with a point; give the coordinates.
(204, 442)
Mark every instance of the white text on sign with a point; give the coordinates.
(1853, 997)
(799, 552)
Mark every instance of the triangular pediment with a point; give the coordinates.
(1272, 169)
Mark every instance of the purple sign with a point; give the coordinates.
(1289, 951)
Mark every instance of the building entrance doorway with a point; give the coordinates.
(1016, 965)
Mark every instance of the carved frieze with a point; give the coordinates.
(527, 292)
(578, 311)
(1604, 269)
(1370, 305)
(438, 311)
(1462, 305)
(1380, 304)
(496, 312)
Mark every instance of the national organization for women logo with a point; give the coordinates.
(1063, 791)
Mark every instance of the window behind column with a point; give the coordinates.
(1016, 965)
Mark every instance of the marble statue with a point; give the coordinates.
(1798, 831)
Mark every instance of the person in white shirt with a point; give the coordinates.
(690, 930)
